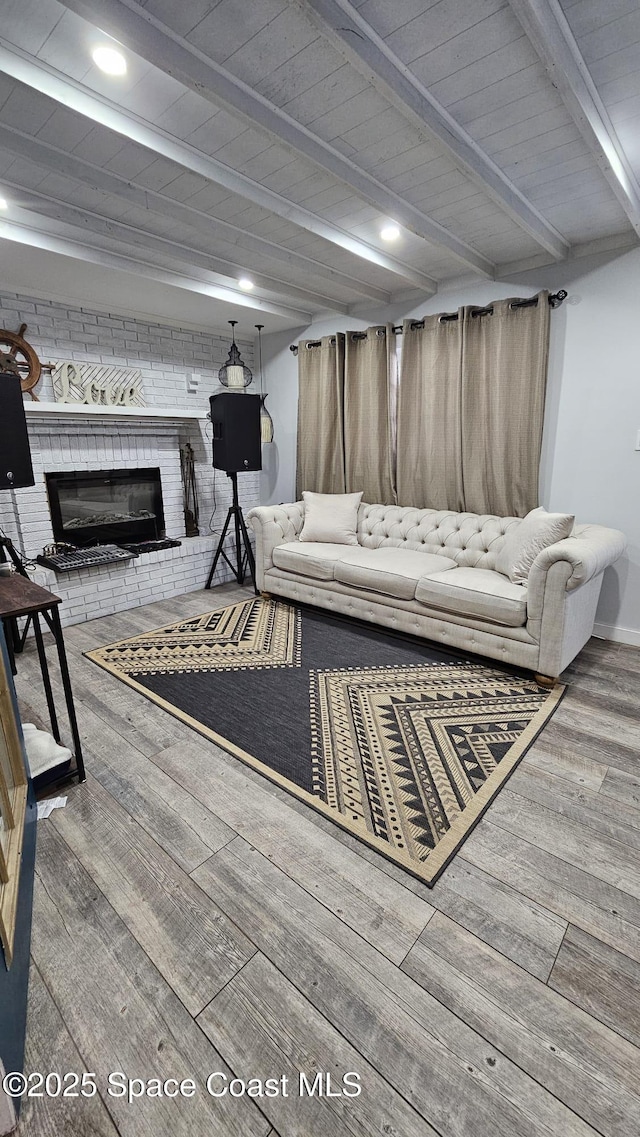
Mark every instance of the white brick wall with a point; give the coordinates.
(166, 356)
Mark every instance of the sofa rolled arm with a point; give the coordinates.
(588, 552)
(273, 525)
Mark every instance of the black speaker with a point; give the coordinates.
(236, 431)
(16, 470)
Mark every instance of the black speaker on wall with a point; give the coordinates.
(236, 431)
(16, 470)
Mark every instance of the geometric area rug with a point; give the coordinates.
(399, 743)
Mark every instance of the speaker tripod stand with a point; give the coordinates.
(8, 552)
(14, 640)
(244, 552)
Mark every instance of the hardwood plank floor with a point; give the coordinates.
(191, 917)
(603, 981)
(242, 1017)
(623, 786)
(194, 946)
(47, 1036)
(118, 1008)
(573, 893)
(424, 1051)
(582, 1062)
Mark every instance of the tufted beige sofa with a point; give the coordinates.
(432, 573)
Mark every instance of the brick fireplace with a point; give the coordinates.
(91, 439)
(61, 441)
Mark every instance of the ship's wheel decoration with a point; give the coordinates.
(20, 357)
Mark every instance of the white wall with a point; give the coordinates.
(589, 463)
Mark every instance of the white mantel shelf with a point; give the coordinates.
(84, 410)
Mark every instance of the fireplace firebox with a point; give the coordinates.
(91, 507)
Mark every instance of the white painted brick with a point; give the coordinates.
(109, 322)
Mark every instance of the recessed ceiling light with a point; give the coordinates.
(245, 284)
(390, 233)
(4, 204)
(109, 60)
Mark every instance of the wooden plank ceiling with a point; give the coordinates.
(273, 140)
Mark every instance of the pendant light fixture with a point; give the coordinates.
(234, 373)
(266, 422)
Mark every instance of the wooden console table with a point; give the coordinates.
(20, 596)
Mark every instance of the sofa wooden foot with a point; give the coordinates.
(266, 595)
(547, 681)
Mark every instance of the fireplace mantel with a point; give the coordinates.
(130, 414)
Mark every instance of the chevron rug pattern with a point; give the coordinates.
(403, 752)
(252, 635)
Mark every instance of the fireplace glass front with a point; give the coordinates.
(90, 507)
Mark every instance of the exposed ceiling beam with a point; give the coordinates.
(50, 157)
(614, 243)
(37, 233)
(363, 47)
(154, 41)
(181, 255)
(546, 26)
(48, 81)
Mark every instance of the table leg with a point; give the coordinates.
(46, 681)
(9, 626)
(68, 693)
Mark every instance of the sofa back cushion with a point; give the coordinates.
(472, 540)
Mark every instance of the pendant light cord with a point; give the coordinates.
(260, 327)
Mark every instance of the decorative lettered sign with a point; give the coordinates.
(97, 384)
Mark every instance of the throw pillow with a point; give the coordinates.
(524, 541)
(331, 517)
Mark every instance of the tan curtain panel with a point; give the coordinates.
(469, 419)
(504, 375)
(367, 414)
(429, 463)
(320, 451)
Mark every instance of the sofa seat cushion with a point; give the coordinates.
(394, 572)
(309, 558)
(475, 592)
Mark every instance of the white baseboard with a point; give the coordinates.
(619, 635)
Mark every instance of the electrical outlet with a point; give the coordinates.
(638, 440)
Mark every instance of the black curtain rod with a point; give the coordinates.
(555, 300)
